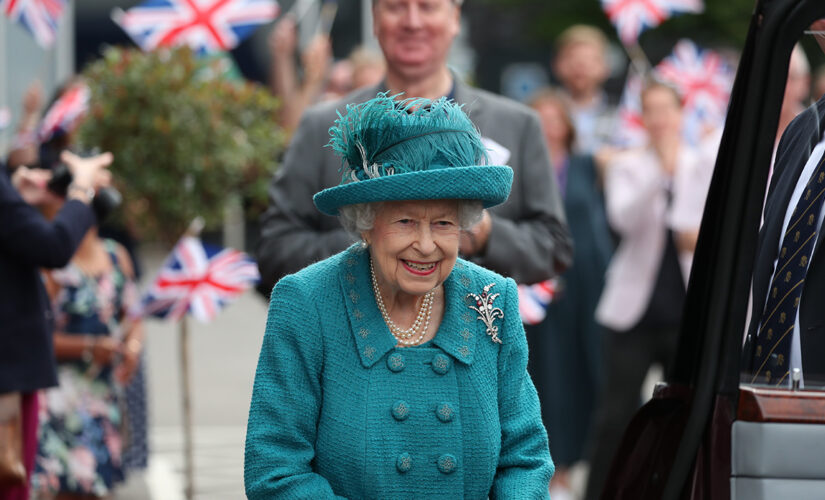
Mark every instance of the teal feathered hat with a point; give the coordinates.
(411, 149)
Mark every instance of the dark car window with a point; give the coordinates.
(782, 310)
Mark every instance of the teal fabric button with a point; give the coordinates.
(445, 412)
(403, 463)
(441, 364)
(400, 411)
(395, 362)
(447, 463)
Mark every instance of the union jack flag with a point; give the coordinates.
(199, 279)
(66, 112)
(631, 17)
(40, 17)
(205, 25)
(534, 299)
(705, 80)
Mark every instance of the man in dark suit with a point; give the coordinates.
(787, 329)
(525, 238)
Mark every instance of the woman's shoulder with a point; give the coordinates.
(473, 276)
(320, 275)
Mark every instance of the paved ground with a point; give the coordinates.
(222, 363)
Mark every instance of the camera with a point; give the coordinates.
(106, 199)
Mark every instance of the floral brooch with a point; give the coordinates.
(486, 312)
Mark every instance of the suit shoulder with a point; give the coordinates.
(500, 103)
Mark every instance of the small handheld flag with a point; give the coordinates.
(199, 279)
(534, 299)
(40, 17)
(631, 17)
(205, 25)
(66, 112)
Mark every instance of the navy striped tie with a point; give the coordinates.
(773, 342)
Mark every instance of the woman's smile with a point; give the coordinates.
(420, 268)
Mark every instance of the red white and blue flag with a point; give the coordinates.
(703, 78)
(534, 299)
(205, 25)
(631, 17)
(40, 17)
(66, 112)
(705, 81)
(199, 279)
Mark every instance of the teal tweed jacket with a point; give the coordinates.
(338, 411)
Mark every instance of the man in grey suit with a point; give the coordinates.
(526, 238)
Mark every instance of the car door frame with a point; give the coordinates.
(687, 426)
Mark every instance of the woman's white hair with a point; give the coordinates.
(360, 217)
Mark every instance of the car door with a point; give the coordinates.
(704, 434)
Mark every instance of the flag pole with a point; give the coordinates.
(638, 58)
(188, 451)
(194, 230)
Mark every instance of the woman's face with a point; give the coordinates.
(556, 131)
(414, 244)
(661, 113)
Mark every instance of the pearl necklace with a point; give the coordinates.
(422, 320)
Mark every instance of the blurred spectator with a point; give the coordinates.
(24, 146)
(315, 59)
(655, 198)
(565, 355)
(339, 81)
(27, 243)
(797, 90)
(368, 67)
(525, 238)
(98, 351)
(581, 66)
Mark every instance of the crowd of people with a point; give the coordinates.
(399, 239)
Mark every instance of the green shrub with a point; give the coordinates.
(185, 136)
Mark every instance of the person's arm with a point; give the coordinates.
(524, 464)
(537, 245)
(291, 236)
(33, 240)
(24, 148)
(630, 189)
(286, 402)
(132, 343)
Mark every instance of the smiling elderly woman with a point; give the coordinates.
(395, 369)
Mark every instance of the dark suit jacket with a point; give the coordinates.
(529, 235)
(27, 243)
(794, 150)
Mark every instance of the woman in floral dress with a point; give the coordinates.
(98, 345)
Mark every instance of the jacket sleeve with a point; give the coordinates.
(286, 399)
(524, 465)
(537, 245)
(31, 239)
(629, 193)
(291, 235)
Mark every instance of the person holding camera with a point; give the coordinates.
(29, 242)
(98, 342)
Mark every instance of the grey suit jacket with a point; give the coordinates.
(529, 240)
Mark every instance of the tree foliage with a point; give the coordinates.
(185, 135)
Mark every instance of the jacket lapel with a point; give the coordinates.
(372, 337)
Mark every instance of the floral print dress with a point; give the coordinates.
(80, 442)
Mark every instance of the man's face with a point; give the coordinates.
(415, 35)
(582, 68)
